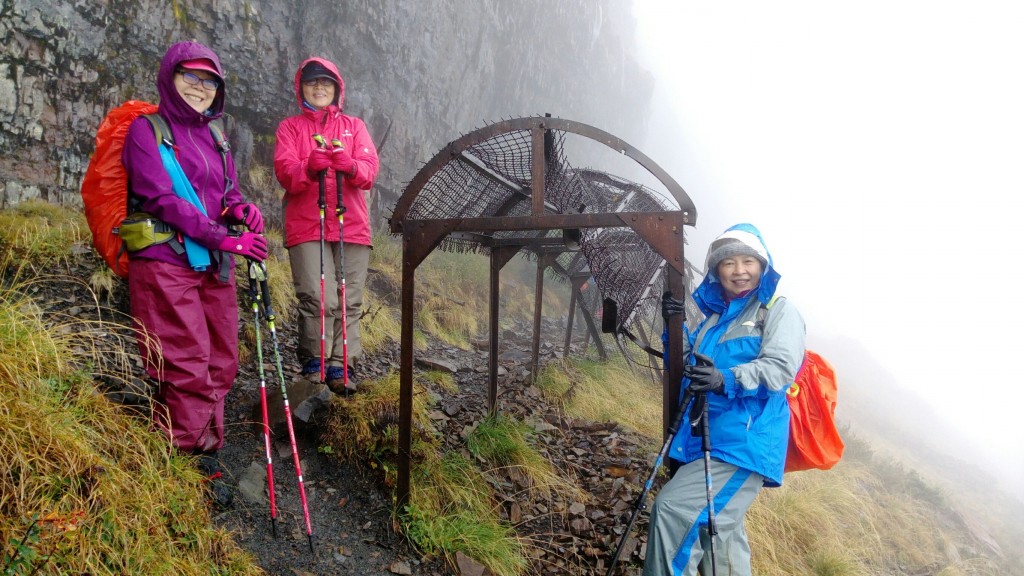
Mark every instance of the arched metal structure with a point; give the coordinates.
(508, 187)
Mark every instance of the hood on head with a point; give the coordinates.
(324, 68)
(738, 239)
(735, 242)
(172, 104)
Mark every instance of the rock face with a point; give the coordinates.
(419, 73)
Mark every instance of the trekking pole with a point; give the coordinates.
(322, 204)
(255, 275)
(705, 441)
(340, 211)
(271, 317)
(641, 500)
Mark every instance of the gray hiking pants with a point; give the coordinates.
(305, 261)
(677, 539)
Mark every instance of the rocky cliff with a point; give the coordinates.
(419, 73)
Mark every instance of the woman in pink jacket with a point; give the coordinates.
(298, 162)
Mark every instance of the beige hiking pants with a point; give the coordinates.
(305, 261)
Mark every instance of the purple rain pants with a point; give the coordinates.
(188, 338)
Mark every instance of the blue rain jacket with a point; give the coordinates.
(749, 425)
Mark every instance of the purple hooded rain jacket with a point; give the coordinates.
(198, 156)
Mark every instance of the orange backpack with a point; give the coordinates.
(814, 440)
(105, 186)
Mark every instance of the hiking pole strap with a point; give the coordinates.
(645, 347)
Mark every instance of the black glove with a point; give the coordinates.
(671, 306)
(704, 377)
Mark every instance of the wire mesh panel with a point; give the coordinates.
(494, 178)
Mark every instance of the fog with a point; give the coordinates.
(878, 146)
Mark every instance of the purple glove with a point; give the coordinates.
(342, 162)
(246, 244)
(248, 214)
(319, 160)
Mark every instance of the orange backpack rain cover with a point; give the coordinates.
(105, 185)
(814, 440)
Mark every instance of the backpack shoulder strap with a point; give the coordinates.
(217, 131)
(163, 137)
(160, 129)
(762, 311)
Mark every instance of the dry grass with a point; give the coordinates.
(85, 487)
(386, 257)
(452, 296)
(261, 176)
(518, 284)
(441, 380)
(849, 522)
(604, 391)
(40, 236)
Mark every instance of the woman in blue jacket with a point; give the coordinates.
(743, 361)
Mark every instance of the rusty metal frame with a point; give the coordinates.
(663, 231)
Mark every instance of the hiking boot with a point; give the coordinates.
(311, 368)
(218, 491)
(336, 381)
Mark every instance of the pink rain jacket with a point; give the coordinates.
(295, 142)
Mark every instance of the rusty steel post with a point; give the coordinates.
(572, 318)
(538, 305)
(674, 374)
(499, 257)
(405, 376)
(594, 331)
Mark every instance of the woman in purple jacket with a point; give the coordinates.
(188, 317)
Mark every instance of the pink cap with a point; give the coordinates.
(200, 64)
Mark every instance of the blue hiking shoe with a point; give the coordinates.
(311, 367)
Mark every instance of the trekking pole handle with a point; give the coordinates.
(265, 291)
(252, 280)
(321, 175)
(340, 209)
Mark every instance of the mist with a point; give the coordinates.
(876, 146)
